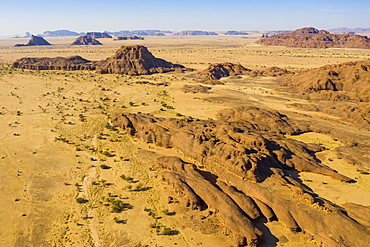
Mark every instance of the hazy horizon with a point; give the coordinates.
(38, 16)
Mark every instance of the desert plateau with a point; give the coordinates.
(186, 140)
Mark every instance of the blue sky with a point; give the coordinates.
(36, 16)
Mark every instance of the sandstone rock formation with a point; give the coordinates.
(86, 40)
(129, 38)
(135, 60)
(349, 81)
(57, 63)
(35, 40)
(310, 37)
(218, 70)
(240, 172)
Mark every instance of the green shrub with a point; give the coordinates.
(167, 231)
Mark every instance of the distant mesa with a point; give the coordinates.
(310, 37)
(97, 35)
(128, 38)
(34, 41)
(61, 33)
(86, 40)
(136, 60)
(185, 33)
(57, 63)
(341, 30)
(236, 33)
(26, 35)
(218, 70)
(140, 33)
(128, 60)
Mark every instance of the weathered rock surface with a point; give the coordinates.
(34, 41)
(86, 40)
(347, 81)
(240, 173)
(57, 63)
(218, 70)
(310, 37)
(135, 60)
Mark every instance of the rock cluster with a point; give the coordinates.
(128, 60)
(240, 173)
(310, 37)
(86, 40)
(35, 40)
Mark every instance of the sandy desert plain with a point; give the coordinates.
(56, 144)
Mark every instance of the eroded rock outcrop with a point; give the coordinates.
(135, 60)
(57, 63)
(218, 70)
(346, 81)
(310, 37)
(244, 159)
(86, 40)
(35, 41)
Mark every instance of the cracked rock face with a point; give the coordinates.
(240, 172)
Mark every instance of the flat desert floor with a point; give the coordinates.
(56, 145)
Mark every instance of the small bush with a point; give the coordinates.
(104, 167)
(167, 231)
(80, 200)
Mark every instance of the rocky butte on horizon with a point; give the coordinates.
(310, 37)
(35, 41)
